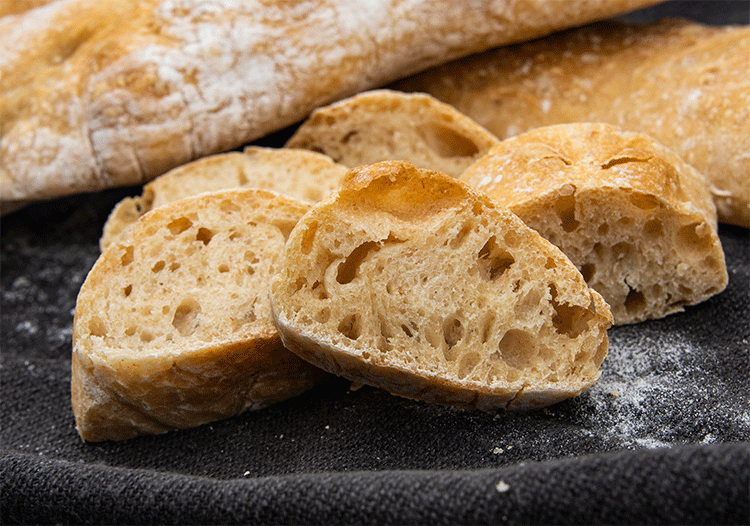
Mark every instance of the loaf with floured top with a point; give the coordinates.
(414, 282)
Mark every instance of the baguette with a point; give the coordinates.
(303, 175)
(636, 219)
(173, 325)
(414, 282)
(385, 125)
(103, 93)
(682, 83)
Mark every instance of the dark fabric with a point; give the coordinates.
(662, 437)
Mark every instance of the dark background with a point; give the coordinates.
(661, 438)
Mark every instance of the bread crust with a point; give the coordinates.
(632, 215)
(301, 174)
(102, 93)
(683, 83)
(392, 204)
(161, 342)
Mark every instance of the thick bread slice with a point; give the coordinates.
(682, 83)
(102, 93)
(412, 281)
(636, 219)
(301, 174)
(173, 325)
(385, 125)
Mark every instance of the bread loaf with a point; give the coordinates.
(414, 282)
(682, 83)
(101, 93)
(173, 325)
(303, 175)
(630, 214)
(385, 125)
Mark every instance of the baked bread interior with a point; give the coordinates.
(636, 219)
(173, 325)
(414, 282)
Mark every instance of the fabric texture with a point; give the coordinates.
(662, 438)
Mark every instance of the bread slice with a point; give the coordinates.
(683, 83)
(102, 93)
(414, 282)
(385, 125)
(173, 325)
(636, 219)
(301, 174)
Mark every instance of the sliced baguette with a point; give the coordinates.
(173, 325)
(301, 174)
(414, 282)
(385, 125)
(636, 219)
(680, 82)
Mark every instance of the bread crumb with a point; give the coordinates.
(497, 450)
(502, 487)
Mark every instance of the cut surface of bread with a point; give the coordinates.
(634, 218)
(385, 125)
(102, 93)
(301, 174)
(683, 83)
(414, 282)
(173, 325)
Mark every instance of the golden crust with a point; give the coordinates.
(682, 83)
(100, 93)
(166, 332)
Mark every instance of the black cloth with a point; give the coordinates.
(663, 437)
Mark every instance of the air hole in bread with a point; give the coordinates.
(347, 270)
(570, 320)
(97, 327)
(622, 249)
(227, 205)
(285, 227)
(409, 331)
(158, 266)
(712, 263)
(695, 237)
(130, 331)
(350, 326)
(308, 236)
(319, 291)
(493, 260)
(635, 301)
(453, 332)
(587, 271)
(223, 268)
(234, 236)
(467, 363)
(147, 336)
(550, 264)
(446, 142)
(517, 348)
(127, 290)
(644, 201)
(458, 240)
(251, 257)
(180, 225)
(174, 266)
(603, 229)
(127, 256)
(323, 315)
(528, 306)
(653, 229)
(185, 318)
(204, 235)
(349, 136)
(565, 208)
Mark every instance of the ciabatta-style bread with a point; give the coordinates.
(636, 219)
(101, 93)
(301, 174)
(173, 325)
(414, 282)
(385, 125)
(682, 83)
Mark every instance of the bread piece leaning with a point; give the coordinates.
(414, 282)
(173, 325)
(301, 174)
(385, 125)
(636, 219)
(683, 83)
